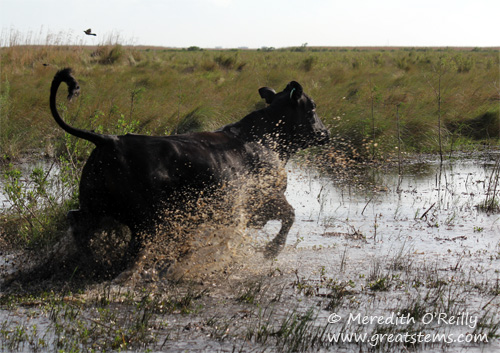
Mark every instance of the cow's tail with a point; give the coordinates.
(65, 75)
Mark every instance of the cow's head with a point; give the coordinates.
(291, 120)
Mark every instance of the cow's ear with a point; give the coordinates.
(268, 94)
(295, 90)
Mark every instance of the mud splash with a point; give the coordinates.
(215, 237)
(430, 207)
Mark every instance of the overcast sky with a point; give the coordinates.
(257, 23)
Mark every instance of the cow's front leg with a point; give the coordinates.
(283, 211)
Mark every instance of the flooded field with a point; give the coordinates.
(378, 262)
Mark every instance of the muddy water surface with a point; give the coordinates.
(431, 208)
(390, 257)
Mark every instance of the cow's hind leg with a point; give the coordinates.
(81, 223)
(102, 241)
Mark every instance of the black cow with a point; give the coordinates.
(132, 179)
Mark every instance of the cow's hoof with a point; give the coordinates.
(65, 248)
(127, 277)
(272, 250)
(8, 281)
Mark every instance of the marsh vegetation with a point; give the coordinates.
(401, 247)
(385, 226)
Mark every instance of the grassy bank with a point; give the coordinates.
(374, 101)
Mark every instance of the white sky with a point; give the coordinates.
(258, 23)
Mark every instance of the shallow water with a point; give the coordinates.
(425, 221)
(51, 170)
(430, 208)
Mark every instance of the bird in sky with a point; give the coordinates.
(89, 32)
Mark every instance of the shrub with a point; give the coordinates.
(109, 56)
(193, 121)
(225, 61)
(36, 214)
(308, 63)
(464, 64)
(403, 63)
(482, 127)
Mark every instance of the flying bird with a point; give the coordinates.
(89, 32)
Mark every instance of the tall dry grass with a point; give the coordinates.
(163, 89)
